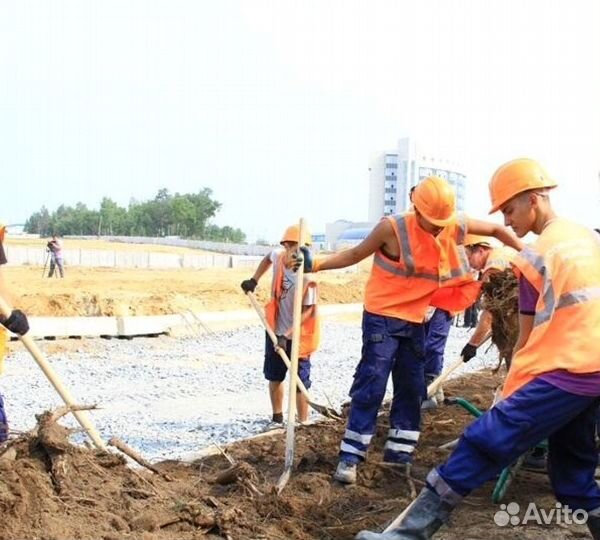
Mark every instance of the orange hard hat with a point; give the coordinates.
(477, 240)
(292, 233)
(515, 177)
(435, 200)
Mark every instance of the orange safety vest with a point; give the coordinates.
(310, 330)
(499, 259)
(564, 267)
(404, 289)
(3, 347)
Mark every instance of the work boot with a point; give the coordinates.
(426, 514)
(593, 523)
(536, 460)
(429, 403)
(345, 472)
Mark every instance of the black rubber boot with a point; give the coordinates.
(426, 515)
(593, 524)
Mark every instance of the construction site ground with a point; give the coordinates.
(109, 291)
(51, 489)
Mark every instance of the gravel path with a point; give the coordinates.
(169, 397)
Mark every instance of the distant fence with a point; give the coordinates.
(226, 255)
(96, 258)
(219, 247)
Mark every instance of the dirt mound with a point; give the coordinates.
(112, 292)
(53, 490)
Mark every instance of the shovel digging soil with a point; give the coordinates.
(329, 412)
(98, 496)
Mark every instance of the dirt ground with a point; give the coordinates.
(52, 490)
(110, 291)
(106, 291)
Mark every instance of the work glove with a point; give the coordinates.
(282, 342)
(468, 352)
(17, 322)
(248, 285)
(305, 256)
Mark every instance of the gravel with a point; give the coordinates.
(170, 397)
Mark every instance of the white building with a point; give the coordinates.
(393, 174)
(351, 230)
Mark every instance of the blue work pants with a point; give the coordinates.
(535, 412)
(3, 421)
(436, 335)
(390, 346)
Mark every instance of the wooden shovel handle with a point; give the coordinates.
(433, 387)
(273, 338)
(81, 416)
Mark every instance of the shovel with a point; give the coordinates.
(290, 441)
(433, 387)
(329, 412)
(81, 416)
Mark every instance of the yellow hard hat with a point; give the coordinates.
(515, 177)
(477, 240)
(292, 233)
(435, 200)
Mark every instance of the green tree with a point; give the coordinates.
(187, 215)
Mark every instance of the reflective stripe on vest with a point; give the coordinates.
(551, 304)
(310, 330)
(406, 256)
(405, 287)
(564, 267)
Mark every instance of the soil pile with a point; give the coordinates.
(53, 490)
(121, 292)
(501, 299)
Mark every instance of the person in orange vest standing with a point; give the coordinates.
(487, 260)
(553, 385)
(419, 261)
(16, 323)
(279, 314)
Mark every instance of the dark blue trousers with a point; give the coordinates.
(390, 346)
(533, 413)
(3, 421)
(436, 331)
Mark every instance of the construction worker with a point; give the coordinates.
(419, 262)
(553, 384)
(487, 260)
(16, 323)
(437, 329)
(279, 315)
(54, 246)
(470, 316)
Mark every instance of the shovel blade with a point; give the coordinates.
(284, 479)
(329, 412)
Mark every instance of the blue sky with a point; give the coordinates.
(278, 106)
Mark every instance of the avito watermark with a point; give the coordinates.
(510, 514)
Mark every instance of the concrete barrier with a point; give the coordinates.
(64, 327)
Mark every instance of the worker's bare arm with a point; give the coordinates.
(381, 235)
(485, 228)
